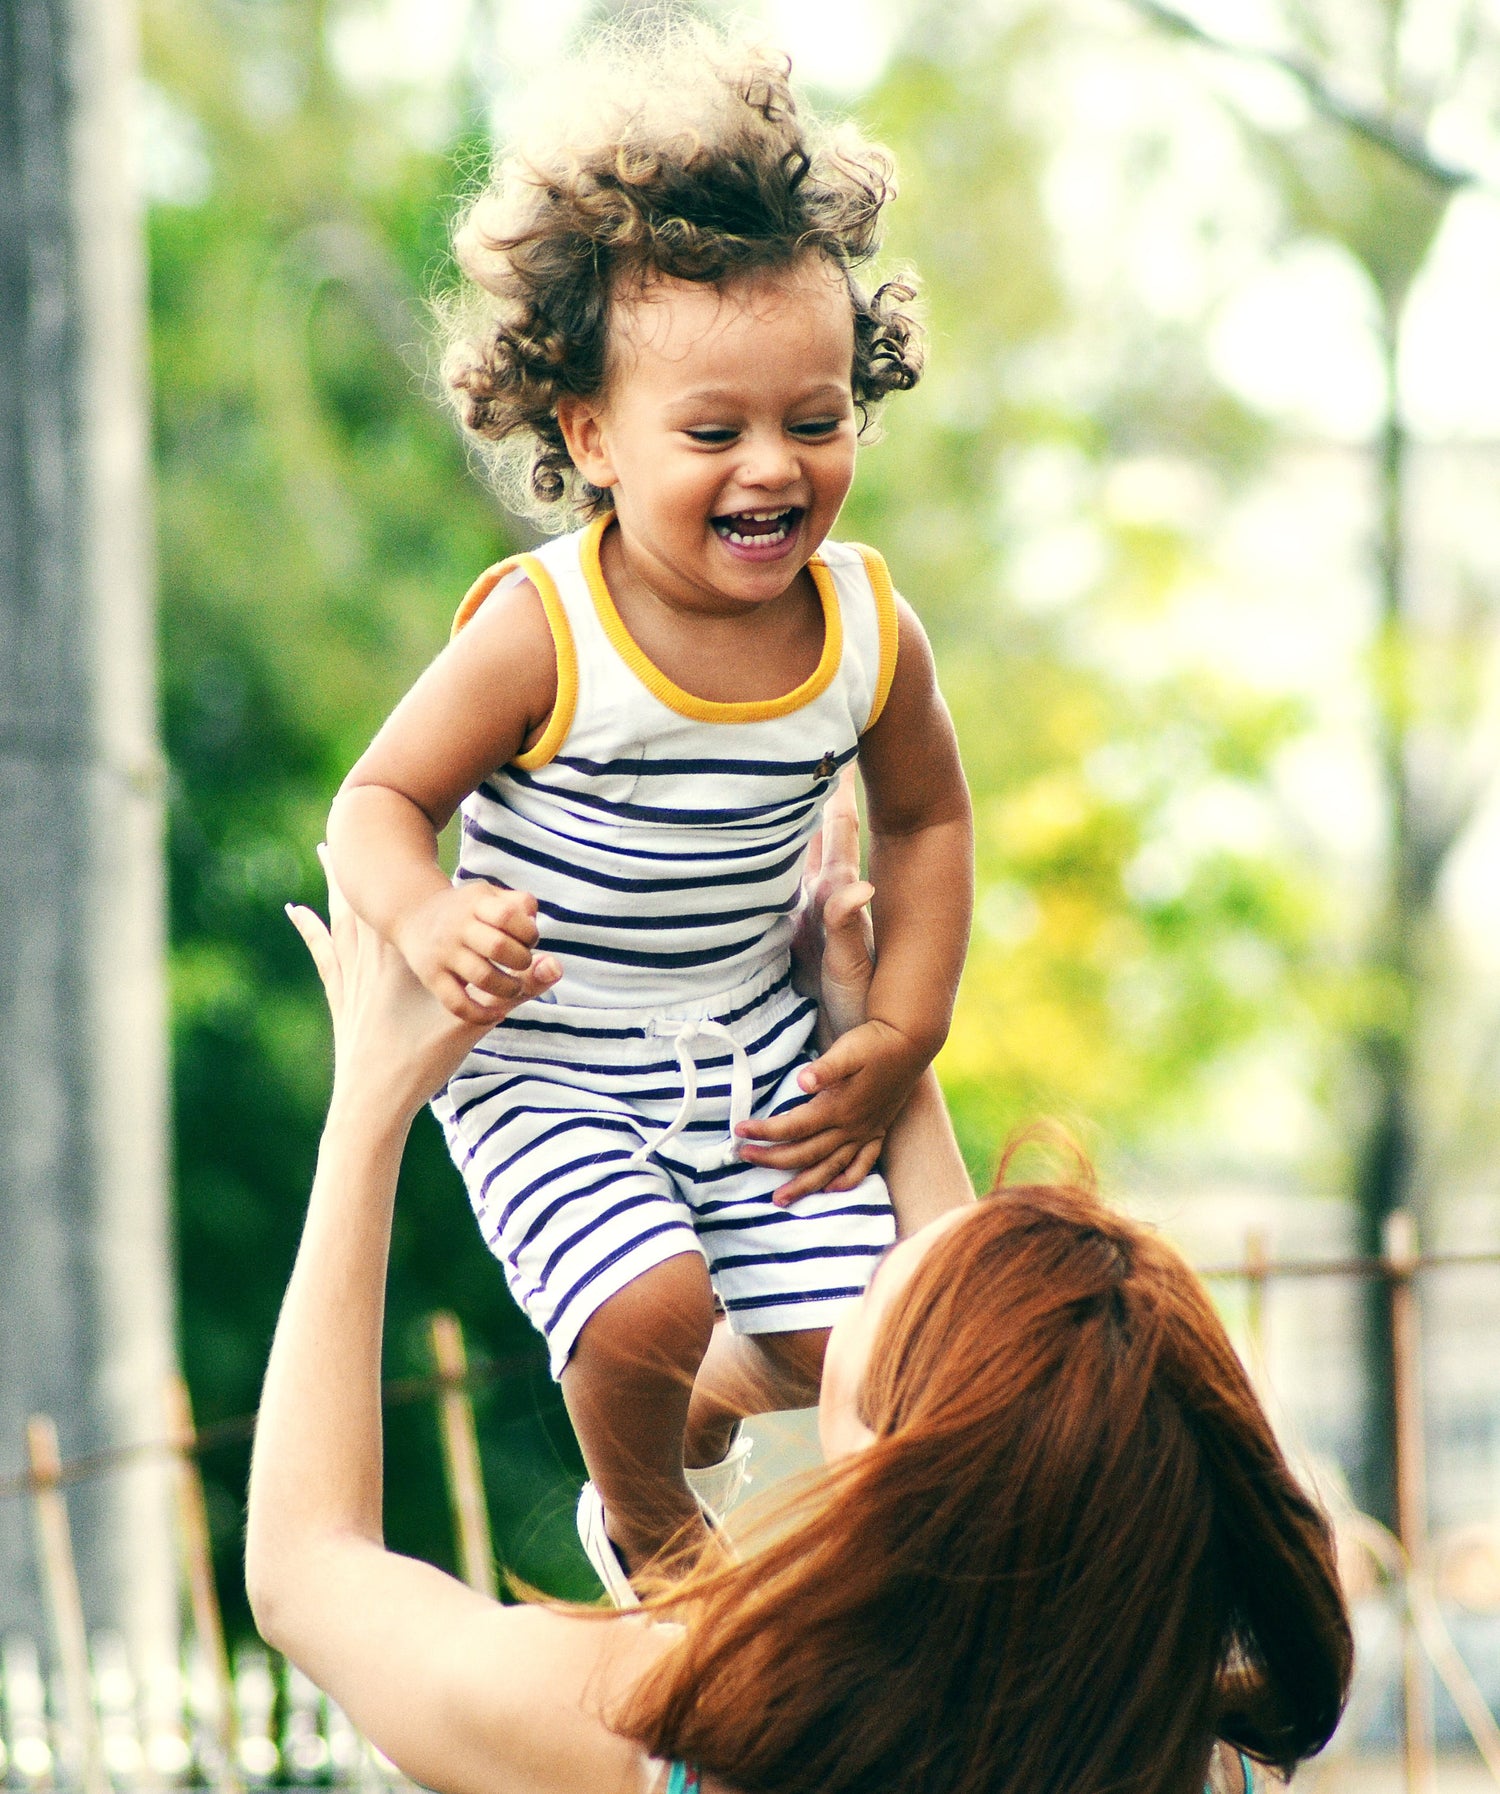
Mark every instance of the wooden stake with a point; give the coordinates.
(196, 1549)
(64, 1602)
(1257, 1267)
(1400, 1243)
(471, 1520)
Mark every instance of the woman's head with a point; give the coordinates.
(1066, 1553)
(668, 157)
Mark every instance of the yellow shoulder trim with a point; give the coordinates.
(566, 702)
(885, 616)
(712, 710)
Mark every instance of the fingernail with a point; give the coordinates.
(807, 1081)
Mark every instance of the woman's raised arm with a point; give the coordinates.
(465, 1695)
(920, 1160)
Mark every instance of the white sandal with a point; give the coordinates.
(717, 1487)
(600, 1550)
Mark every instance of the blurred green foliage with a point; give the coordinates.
(318, 523)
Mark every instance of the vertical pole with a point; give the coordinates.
(471, 1520)
(1257, 1259)
(86, 1286)
(64, 1602)
(1400, 1265)
(198, 1571)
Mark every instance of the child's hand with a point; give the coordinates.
(392, 1044)
(858, 1087)
(471, 945)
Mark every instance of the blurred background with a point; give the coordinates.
(1198, 501)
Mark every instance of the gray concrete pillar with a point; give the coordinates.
(86, 1305)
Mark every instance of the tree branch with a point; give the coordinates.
(1389, 134)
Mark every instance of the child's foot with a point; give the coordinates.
(717, 1487)
(599, 1548)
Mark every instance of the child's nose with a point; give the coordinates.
(770, 461)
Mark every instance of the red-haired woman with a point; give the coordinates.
(1057, 1550)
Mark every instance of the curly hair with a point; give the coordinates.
(664, 155)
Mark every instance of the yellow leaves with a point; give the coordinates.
(1041, 818)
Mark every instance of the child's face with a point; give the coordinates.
(727, 430)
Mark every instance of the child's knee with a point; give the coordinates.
(659, 1324)
(798, 1355)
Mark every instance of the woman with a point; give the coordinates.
(1057, 1547)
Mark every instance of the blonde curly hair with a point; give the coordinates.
(663, 153)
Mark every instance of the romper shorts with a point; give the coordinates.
(550, 1119)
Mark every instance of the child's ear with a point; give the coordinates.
(582, 424)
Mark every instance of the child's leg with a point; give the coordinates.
(628, 1384)
(749, 1373)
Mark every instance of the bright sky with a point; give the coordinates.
(1294, 338)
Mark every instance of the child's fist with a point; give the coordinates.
(471, 944)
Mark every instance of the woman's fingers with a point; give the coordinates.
(341, 919)
(319, 943)
(813, 864)
(846, 903)
(840, 843)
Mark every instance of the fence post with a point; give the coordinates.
(1257, 1270)
(198, 1571)
(64, 1602)
(471, 1520)
(1400, 1265)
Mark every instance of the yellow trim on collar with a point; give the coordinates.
(890, 630)
(712, 710)
(566, 702)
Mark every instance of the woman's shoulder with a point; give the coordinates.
(1229, 1772)
(683, 1778)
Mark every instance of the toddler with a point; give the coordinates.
(642, 722)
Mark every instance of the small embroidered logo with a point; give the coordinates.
(827, 766)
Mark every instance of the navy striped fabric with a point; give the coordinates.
(543, 1120)
(665, 848)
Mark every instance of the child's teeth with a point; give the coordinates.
(782, 518)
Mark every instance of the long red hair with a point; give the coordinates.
(1073, 1557)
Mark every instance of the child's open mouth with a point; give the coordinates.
(764, 530)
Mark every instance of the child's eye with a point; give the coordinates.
(712, 438)
(815, 427)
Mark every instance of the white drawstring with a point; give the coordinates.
(741, 1090)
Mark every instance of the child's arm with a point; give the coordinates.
(485, 698)
(921, 864)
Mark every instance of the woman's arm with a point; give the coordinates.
(923, 1167)
(465, 1695)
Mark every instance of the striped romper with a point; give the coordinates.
(663, 836)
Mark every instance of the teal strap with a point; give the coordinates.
(683, 1780)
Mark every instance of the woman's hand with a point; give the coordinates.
(833, 949)
(394, 1044)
